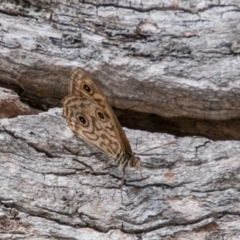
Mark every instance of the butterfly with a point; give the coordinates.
(90, 116)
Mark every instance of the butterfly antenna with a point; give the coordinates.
(165, 144)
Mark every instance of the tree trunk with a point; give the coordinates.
(169, 67)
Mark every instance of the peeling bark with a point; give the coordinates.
(11, 106)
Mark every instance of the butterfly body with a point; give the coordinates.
(90, 117)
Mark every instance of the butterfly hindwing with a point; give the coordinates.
(87, 120)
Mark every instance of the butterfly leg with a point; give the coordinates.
(122, 182)
(140, 170)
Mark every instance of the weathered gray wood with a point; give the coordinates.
(174, 59)
(55, 187)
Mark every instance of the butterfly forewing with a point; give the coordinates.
(81, 84)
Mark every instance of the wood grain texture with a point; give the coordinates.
(184, 54)
(54, 187)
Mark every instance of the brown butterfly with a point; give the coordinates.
(90, 117)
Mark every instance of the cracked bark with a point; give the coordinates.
(53, 186)
(177, 61)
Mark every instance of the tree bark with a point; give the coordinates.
(55, 187)
(174, 60)
(159, 62)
